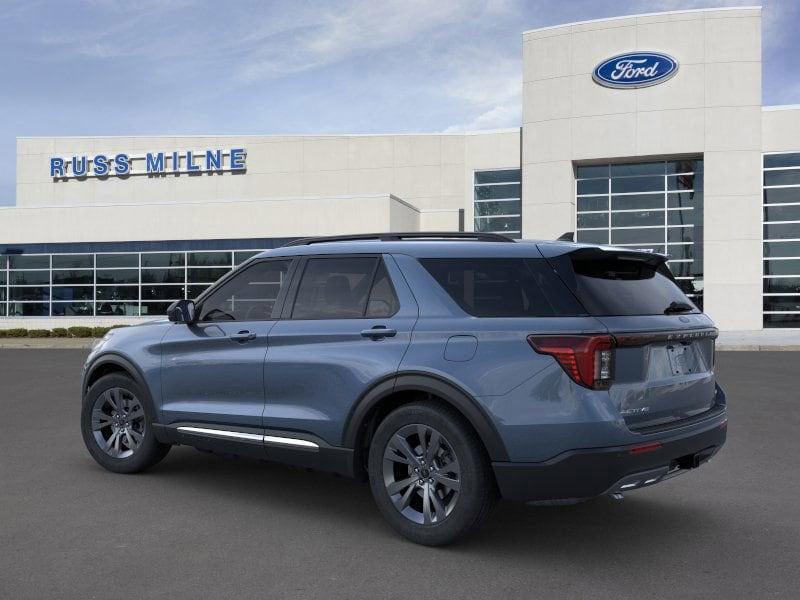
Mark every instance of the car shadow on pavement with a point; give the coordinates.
(598, 530)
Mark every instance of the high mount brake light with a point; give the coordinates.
(587, 359)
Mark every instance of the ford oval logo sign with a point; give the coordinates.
(635, 70)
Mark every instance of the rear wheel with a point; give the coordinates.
(116, 424)
(429, 474)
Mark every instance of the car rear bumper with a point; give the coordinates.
(581, 474)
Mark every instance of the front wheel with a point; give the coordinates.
(429, 474)
(116, 424)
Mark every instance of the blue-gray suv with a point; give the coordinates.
(446, 369)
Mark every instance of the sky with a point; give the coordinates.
(159, 67)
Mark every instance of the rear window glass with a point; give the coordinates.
(618, 286)
(503, 287)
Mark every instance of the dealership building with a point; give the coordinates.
(644, 131)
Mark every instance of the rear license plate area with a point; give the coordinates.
(682, 360)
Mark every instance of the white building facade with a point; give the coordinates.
(685, 161)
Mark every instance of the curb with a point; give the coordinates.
(47, 343)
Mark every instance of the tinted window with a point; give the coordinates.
(334, 288)
(503, 287)
(619, 286)
(249, 295)
(382, 299)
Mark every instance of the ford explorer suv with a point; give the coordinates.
(446, 369)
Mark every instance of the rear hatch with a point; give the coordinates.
(663, 369)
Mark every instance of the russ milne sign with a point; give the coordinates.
(150, 163)
(635, 70)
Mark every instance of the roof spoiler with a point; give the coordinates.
(568, 236)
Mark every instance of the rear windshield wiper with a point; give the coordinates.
(676, 307)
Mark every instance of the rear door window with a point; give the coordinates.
(613, 285)
(335, 288)
(503, 287)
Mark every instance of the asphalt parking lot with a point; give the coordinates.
(200, 526)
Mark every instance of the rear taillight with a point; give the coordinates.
(588, 359)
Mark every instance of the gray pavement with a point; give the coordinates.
(200, 526)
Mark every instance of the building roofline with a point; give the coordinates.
(782, 107)
(267, 135)
(651, 14)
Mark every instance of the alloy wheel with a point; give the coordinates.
(421, 474)
(118, 422)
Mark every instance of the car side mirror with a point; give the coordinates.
(182, 311)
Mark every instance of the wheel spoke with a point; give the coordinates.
(433, 446)
(438, 508)
(403, 502)
(451, 467)
(422, 433)
(109, 397)
(137, 413)
(426, 505)
(448, 482)
(112, 438)
(137, 437)
(100, 420)
(129, 440)
(398, 486)
(401, 450)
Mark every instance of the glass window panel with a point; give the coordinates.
(117, 260)
(73, 309)
(507, 207)
(206, 275)
(681, 217)
(162, 292)
(498, 224)
(593, 236)
(682, 182)
(250, 294)
(118, 292)
(3, 262)
(587, 171)
(651, 168)
(636, 236)
(641, 201)
(2, 277)
(637, 219)
(29, 293)
(117, 276)
(782, 195)
(28, 309)
(29, 261)
(684, 199)
(593, 203)
(335, 288)
(680, 234)
(637, 184)
(2, 309)
(73, 261)
(790, 177)
(680, 251)
(787, 320)
(593, 220)
(685, 166)
(163, 275)
(789, 159)
(2, 294)
(383, 301)
(241, 256)
(681, 269)
(494, 192)
(73, 277)
(592, 186)
(29, 277)
(772, 249)
(196, 290)
(163, 259)
(782, 213)
(500, 176)
(782, 267)
(118, 309)
(782, 285)
(782, 231)
(73, 293)
(782, 303)
(150, 309)
(210, 259)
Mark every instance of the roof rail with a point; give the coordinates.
(399, 237)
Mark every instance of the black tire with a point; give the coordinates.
(477, 493)
(149, 451)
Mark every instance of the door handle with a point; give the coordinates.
(243, 336)
(379, 331)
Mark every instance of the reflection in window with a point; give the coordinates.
(655, 206)
(781, 287)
